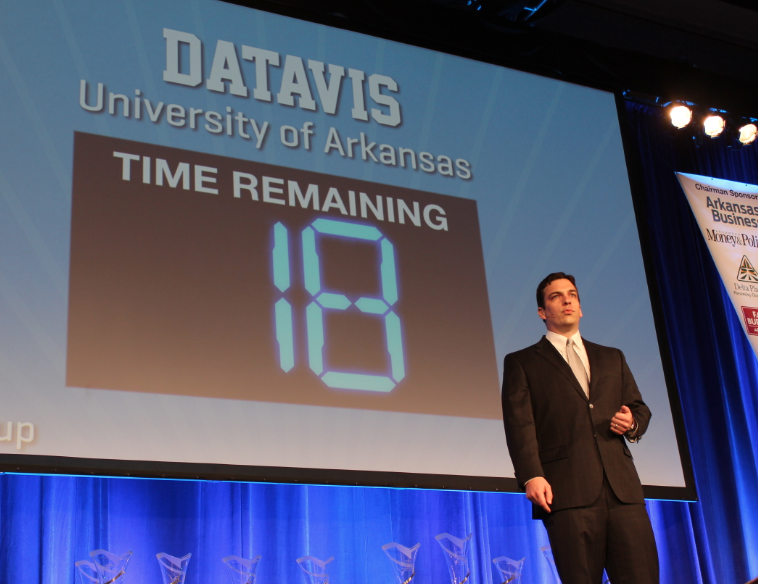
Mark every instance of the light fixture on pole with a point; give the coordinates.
(713, 124)
(746, 131)
(680, 115)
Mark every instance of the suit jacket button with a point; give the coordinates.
(591, 406)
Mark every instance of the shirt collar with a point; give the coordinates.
(559, 341)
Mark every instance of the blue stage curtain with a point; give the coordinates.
(715, 367)
(47, 523)
(50, 522)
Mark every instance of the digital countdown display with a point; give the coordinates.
(194, 274)
(321, 300)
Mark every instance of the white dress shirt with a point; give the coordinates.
(560, 342)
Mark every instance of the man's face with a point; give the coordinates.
(562, 310)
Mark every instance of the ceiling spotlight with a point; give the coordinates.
(713, 125)
(680, 116)
(747, 133)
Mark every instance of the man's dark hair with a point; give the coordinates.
(549, 279)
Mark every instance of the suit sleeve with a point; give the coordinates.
(518, 418)
(633, 400)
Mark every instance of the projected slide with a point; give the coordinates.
(194, 274)
(229, 237)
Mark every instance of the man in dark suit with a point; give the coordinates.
(569, 406)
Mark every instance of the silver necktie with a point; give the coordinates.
(577, 367)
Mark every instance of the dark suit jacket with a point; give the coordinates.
(554, 431)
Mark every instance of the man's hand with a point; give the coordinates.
(622, 421)
(539, 492)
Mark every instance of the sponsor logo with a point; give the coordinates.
(751, 319)
(746, 271)
(731, 238)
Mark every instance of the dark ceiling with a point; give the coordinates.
(705, 51)
(711, 35)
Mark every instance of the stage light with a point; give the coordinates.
(747, 133)
(680, 116)
(713, 124)
(702, 121)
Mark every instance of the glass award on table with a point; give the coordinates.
(314, 570)
(173, 570)
(87, 572)
(547, 551)
(510, 570)
(403, 560)
(111, 568)
(456, 550)
(241, 571)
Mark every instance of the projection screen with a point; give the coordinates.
(231, 237)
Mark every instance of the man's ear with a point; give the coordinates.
(541, 312)
(580, 310)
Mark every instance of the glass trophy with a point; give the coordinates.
(510, 570)
(173, 570)
(87, 572)
(403, 560)
(545, 549)
(455, 550)
(241, 571)
(548, 553)
(111, 568)
(314, 570)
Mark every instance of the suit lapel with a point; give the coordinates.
(546, 349)
(591, 349)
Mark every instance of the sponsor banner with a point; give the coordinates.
(727, 213)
